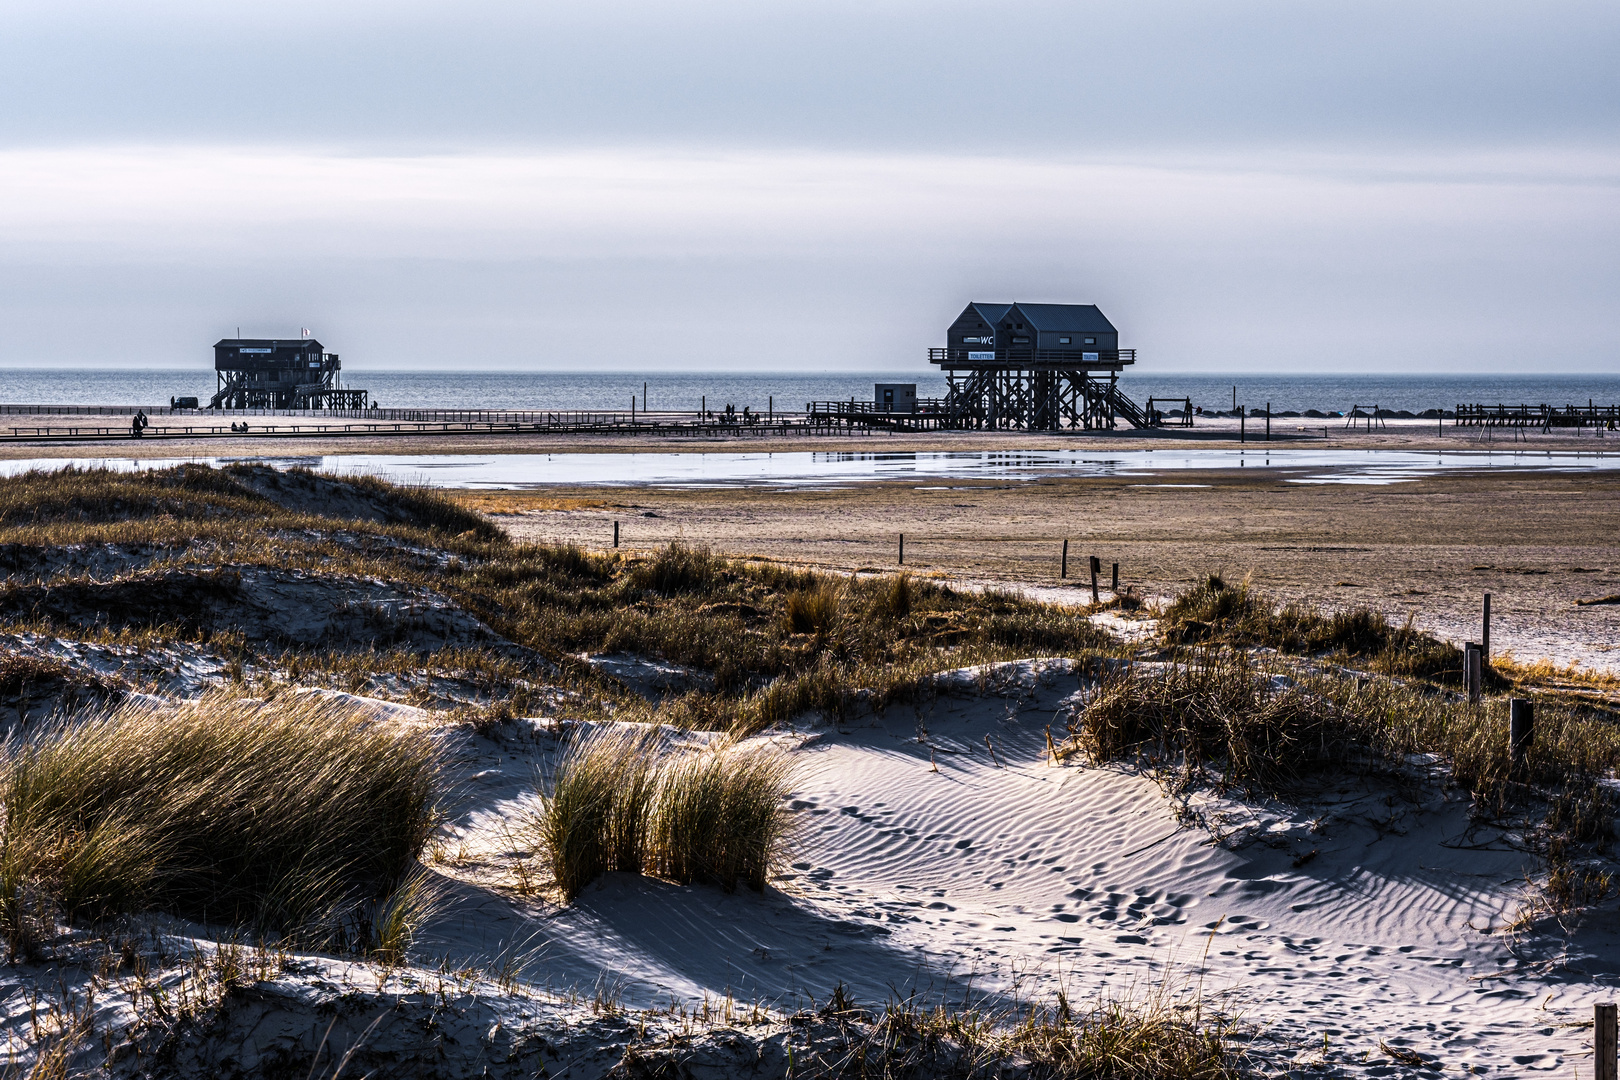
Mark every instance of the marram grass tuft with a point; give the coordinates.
(287, 816)
(620, 802)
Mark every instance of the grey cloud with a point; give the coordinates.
(986, 78)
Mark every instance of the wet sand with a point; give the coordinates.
(1538, 541)
(1429, 547)
(274, 436)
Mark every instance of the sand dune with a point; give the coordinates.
(926, 865)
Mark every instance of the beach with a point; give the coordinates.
(956, 829)
(1428, 548)
(1421, 541)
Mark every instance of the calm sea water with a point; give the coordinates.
(790, 391)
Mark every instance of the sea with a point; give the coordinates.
(791, 391)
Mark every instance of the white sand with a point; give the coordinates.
(991, 878)
(1015, 877)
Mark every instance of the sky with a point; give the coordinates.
(1277, 186)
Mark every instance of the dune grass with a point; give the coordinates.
(1157, 1036)
(290, 816)
(1220, 714)
(776, 640)
(812, 610)
(200, 493)
(1216, 611)
(1218, 711)
(618, 802)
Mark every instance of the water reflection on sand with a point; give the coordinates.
(817, 468)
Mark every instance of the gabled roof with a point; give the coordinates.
(990, 313)
(261, 343)
(1076, 318)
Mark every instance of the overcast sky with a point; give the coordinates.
(1282, 186)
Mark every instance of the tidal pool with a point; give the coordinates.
(803, 468)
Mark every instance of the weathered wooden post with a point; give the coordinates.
(1063, 567)
(1603, 1042)
(1096, 568)
(1243, 420)
(1521, 729)
(1115, 585)
(615, 534)
(902, 561)
(1485, 634)
(1268, 421)
(1471, 678)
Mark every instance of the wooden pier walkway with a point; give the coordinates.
(1544, 417)
(78, 423)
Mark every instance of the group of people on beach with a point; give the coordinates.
(732, 416)
(139, 423)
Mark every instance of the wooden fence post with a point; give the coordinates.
(1268, 421)
(1096, 568)
(1063, 567)
(1521, 728)
(615, 534)
(1471, 672)
(902, 561)
(1603, 1042)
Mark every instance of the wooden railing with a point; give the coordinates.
(1075, 358)
(1542, 416)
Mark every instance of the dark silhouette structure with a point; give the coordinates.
(1035, 367)
(273, 373)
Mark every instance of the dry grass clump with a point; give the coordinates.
(812, 610)
(596, 817)
(1265, 731)
(1562, 676)
(679, 568)
(417, 505)
(1220, 719)
(1111, 1038)
(719, 816)
(72, 494)
(201, 494)
(1219, 711)
(1214, 611)
(775, 641)
(773, 638)
(1117, 1039)
(288, 815)
(619, 803)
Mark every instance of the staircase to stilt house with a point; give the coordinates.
(1129, 409)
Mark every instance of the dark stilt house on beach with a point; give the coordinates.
(1035, 367)
(271, 373)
